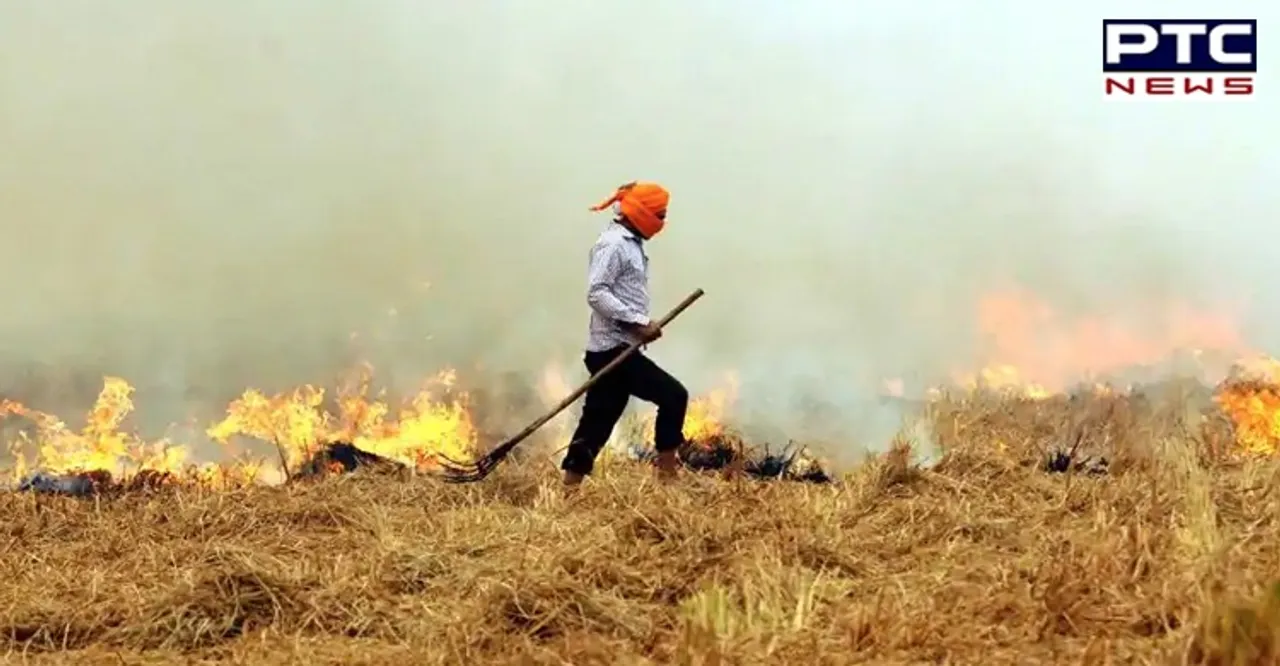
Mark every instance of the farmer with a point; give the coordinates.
(618, 293)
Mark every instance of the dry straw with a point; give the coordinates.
(1172, 556)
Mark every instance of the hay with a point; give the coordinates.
(982, 557)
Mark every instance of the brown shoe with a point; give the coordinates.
(667, 466)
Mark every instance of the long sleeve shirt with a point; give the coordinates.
(617, 287)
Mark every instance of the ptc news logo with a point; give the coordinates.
(1179, 58)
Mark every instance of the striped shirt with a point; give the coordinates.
(617, 287)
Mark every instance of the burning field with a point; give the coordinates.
(1028, 513)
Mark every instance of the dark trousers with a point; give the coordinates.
(637, 376)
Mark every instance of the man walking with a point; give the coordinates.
(618, 294)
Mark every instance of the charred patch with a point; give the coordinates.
(730, 452)
(93, 483)
(73, 484)
(1063, 461)
(344, 458)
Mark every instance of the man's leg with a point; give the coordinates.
(601, 409)
(652, 384)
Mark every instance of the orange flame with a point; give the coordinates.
(426, 428)
(1032, 347)
(707, 417)
(1251, 399)
(99, 445)
(1032, 351)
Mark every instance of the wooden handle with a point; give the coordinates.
(631, 349)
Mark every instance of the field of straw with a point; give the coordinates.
(1165, 548)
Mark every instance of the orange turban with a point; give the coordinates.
(643, 204)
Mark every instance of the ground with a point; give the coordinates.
(981, 558)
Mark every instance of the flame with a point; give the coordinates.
(707, 416)
(1003, 378)
(1250, 397)
(1034, 349)
(705, 420)
(1254, 410)
(425, 429)
(1030, 350)
(99, 445)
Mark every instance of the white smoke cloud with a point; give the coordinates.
(205, 195)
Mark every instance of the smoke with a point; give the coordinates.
(203, 196)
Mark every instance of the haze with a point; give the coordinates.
(209, 195)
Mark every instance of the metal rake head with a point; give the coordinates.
(461, 472)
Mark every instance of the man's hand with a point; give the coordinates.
(646, 332)
(649, 332)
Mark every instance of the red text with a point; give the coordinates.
(1178, 86)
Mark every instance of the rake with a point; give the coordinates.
(460, 472)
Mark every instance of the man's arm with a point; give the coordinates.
(605, 266)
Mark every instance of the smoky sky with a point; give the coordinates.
(209, 195)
